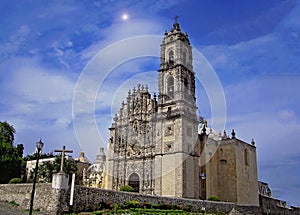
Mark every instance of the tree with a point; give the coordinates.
(45, 171)
(42, 156)
(10, 159)
(20, 149)
(10, 162)
(48, 168)
(7, 133)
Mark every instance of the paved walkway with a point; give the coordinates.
(8, 209)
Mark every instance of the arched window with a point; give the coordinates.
(134, 182)
(171, 56)
(246, 157)
(170, 87)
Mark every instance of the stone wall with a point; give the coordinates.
(269, 205)
(54, 201)
(45, 197)
(94, 196)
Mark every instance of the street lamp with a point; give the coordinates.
(39, 146)
(203, 177)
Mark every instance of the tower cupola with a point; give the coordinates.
(176, 48)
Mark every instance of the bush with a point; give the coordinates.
(213, 198)
(130, 204)
(126, 188)
(14, 203)
(15, 181)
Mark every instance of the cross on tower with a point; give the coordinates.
(176, 18)
(63, 151)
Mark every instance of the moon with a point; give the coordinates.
(125, 16)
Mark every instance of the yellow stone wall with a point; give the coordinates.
(231, 173)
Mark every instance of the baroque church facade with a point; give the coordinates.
(155, 146)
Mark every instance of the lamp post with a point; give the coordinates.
(39, 146)
(203, 177)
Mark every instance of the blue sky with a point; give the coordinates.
(253, 46)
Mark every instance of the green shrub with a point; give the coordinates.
(130, 204)
(126, 188)
(14, 203)
(15, 181)
(213, 198)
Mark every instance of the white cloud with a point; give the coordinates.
(36, 84)
(287, 116)
(122, 30)
(36, 100)
(15, 41)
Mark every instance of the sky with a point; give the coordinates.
(66, 66)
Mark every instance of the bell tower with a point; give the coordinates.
(176, 75)
(176, 160)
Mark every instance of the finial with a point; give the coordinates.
(233, 133)
(253, 142)
(143, 87)
(139, 86)
(147, 87)
(129, 92)
(176, 24)
(176, 18)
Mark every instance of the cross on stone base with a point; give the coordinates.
(63, 151)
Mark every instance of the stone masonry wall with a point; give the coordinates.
(45, 197)
(52, 201)
(94, 196)
(269, 205)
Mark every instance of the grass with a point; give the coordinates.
(34, 210)
(13, 203)
(142, 211)
(136, 208)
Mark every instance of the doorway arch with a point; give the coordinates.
(134, 182)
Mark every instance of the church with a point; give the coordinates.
(160, 146)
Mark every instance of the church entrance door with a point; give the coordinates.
(134, 182)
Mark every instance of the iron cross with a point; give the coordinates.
(176, 18)
(63, 151)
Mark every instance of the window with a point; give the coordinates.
(223, 162)
(170, 87)
(246, 157)
(171, 56)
